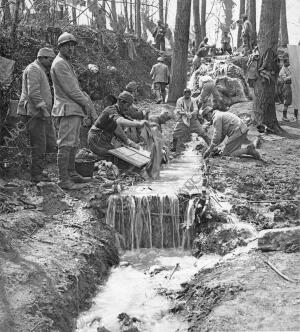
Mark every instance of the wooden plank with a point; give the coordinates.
(131, 155)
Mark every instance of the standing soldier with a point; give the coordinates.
(70, 107)
(159, 36)
(188, 121)
(247, 35)
(160, 75)
(225, 43)
(36, 104)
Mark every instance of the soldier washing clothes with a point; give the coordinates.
(229, 125)
(188, 121)
(35, 105)
(109, 124)
(71, 105)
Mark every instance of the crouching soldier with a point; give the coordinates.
(188, 121)
(207, 86)
(109, 124)
(230, 125)
(158, 120)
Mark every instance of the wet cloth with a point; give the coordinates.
(153, 142)
(230, 125)
(36, 92)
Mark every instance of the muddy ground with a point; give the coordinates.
(55, 247)
(243, 292)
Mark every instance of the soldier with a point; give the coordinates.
(36, 104)
(159, 36)
(247, 35)
(188, 121)
(225, 43)
(161, 77)
(229, 125)
(109, 124)
(71, 105)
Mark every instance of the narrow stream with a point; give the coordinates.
(133, 288)
(147, 216)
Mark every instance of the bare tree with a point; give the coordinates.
(6, 16)
(264, 110)
(203, 18)
(126, 13)
(161, 10)
(15, 22)
(284, 37)
(227, 7)
(131, 17)
(180, 50)
(166, 11)
(103, 13)
(242, 11)
(197, 27)
(251, 11)
(74, 15)
(114, 16)
(138, 18)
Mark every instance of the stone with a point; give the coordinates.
(280, 239)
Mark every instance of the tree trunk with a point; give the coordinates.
(197, 27)
(103, 14)
(264, 110)
(131, 17)
(15, 23)
(161, 10)
(74, 16)
(251, 10)
(228, 7)
(242, 11)
(166, 11)
(114, 16)
(284, 37)
(138, 19)
(203, 18)
(6, 18)
(180, 51)
(126, 14)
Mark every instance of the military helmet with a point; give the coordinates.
(65, 38)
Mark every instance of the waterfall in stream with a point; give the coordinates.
(146, 221)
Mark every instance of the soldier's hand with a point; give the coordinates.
(142, 123)
(133, 144)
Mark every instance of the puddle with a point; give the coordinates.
(133, 291)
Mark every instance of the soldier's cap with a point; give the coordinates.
(160, 59)
(206, 110)
(46, 52)
(126, 96)
(131, 86)
(187, 90)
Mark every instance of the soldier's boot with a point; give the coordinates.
(74, 176)
(174, 145)
(62, 163)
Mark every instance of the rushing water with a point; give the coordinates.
(132, 290)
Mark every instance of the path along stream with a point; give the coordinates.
(148, 218)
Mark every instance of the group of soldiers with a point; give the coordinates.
(54, 122)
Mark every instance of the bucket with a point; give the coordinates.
(85, 167)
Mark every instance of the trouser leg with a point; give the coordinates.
(284, 112)
(296, 113)
(163, 91)
(51, 145)
(157, 89)
(68, 141)
(36, 129)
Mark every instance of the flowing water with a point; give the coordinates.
(135, 291)
(149, 214)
